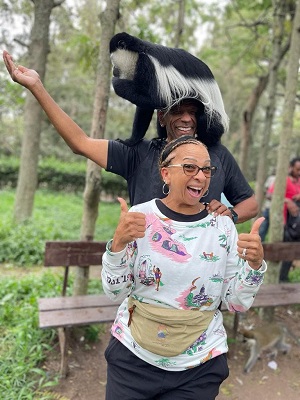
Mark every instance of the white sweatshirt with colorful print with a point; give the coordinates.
(181, 265)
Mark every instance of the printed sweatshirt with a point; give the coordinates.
(180, 264)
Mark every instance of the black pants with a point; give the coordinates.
(130, 378)
(285, 265)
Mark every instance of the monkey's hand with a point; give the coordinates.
(249, 246)
(132, 225)
(22, 75)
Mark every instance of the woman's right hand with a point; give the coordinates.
(132, 225)
(24, 76)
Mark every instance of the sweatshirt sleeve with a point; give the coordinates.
(117, 271)
(241, 282)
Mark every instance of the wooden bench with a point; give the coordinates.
(69, 311)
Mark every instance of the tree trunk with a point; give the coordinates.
(180, 24)
(277, 56)
(285, 145)
(93, 175)
(247, 121)
(37, 54)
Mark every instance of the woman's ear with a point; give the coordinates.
(165, 175)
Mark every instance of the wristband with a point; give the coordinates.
(234, 215)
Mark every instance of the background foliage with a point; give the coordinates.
(55, 174)
(57, 216)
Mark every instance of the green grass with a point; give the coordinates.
(294, 275)
(64, 213)
(56, 216)
(23, 346)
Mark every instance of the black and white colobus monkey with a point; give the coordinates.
(153, 76)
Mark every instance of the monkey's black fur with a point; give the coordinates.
(153, 76)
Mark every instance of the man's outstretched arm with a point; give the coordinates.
(73, 135)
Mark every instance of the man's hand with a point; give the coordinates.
(217, 208)
(249, 245)
(292, 207)
(24, 76)
(132, 225)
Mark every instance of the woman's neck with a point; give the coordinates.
(183, 209)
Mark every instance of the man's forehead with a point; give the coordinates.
(186, 103)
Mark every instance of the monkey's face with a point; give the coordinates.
(124, 63)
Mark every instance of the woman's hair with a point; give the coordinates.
(294, 161)
(164, 159)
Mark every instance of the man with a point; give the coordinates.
(139, 164)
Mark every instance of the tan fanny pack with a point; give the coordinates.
(164, 331)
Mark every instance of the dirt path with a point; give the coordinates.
(87, 377)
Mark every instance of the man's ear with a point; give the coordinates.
(161, 117)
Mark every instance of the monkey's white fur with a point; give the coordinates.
(174, 87)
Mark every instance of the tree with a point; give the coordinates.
(279, 50)
(37, 53)
(236, 50)
(93, 175)
(180, 23)
(285, 145)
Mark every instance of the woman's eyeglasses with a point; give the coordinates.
(193, 169)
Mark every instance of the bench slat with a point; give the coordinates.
(272, 295)
(75, 317)
(71, 302)
(277, 294)
(279, 251)
(74, 253)
(84, 310)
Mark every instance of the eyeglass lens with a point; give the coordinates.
(192, 169)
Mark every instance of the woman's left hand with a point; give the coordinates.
(249, 246)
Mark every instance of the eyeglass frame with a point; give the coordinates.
(212, 169)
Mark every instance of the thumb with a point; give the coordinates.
(256, 225)
(123, 204)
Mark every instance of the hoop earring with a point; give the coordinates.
(206, 193)
(165, 192)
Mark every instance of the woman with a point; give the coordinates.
(171, 343)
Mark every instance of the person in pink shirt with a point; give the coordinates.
(292, 196)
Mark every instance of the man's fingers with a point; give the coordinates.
(8, 60)
(124, 207)
(256, 225)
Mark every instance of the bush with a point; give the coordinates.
(58, 175)
(22, 244)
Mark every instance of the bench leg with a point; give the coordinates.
(236, 324)
(63, 344)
